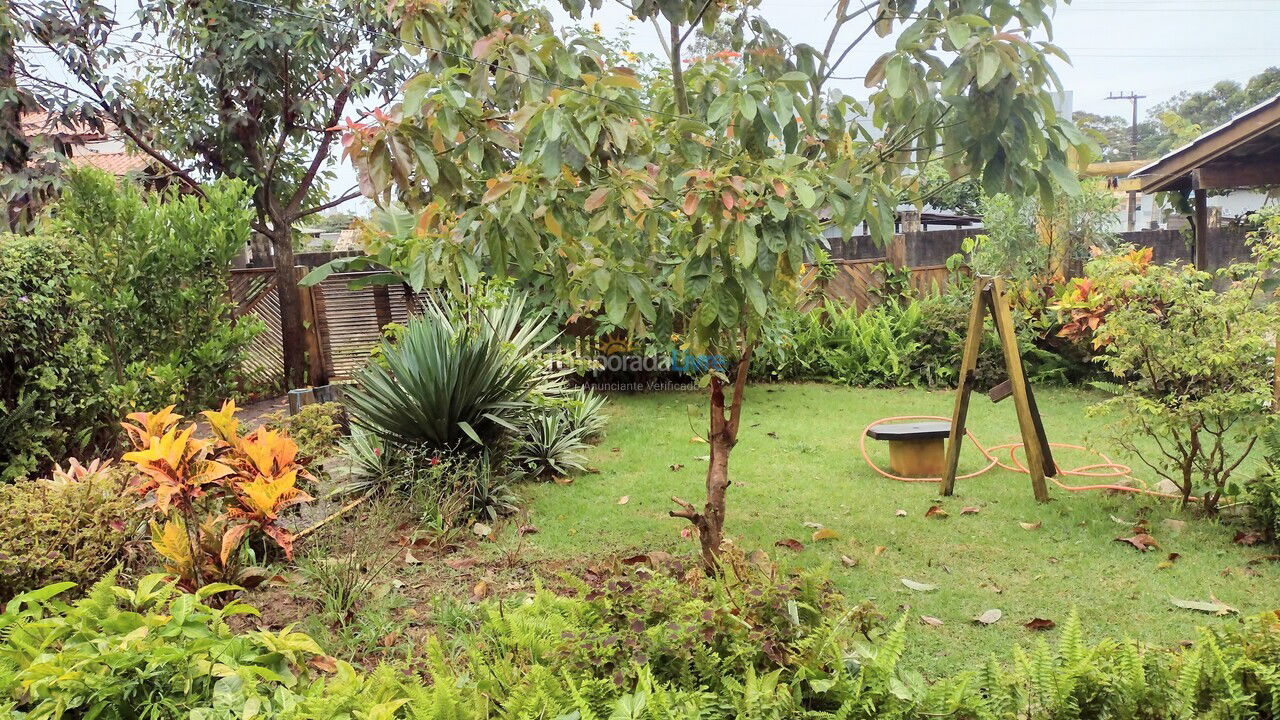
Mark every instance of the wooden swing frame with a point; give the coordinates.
(989, 298)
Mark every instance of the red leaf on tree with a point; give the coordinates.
(595, 200)
(690, 204)
(726, 197)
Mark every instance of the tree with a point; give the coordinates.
(684, 207)
(247, 89)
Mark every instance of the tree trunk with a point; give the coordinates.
(291, 329)
(721, 438)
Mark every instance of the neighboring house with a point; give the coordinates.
(86, 147)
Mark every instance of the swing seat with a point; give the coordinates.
(916, 450)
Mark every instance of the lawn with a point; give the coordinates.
(797, 462)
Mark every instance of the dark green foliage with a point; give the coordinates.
(155, 268)
(913, 344)
(51, 405)
(63, 529)
(122, 305)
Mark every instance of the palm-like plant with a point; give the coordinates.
(455, 377)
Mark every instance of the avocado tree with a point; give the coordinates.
(682, 203)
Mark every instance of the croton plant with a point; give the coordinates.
(210, 496)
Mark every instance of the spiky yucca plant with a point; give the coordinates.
(457, 377)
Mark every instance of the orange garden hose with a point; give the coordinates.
(1108, 468)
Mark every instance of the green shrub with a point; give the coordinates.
(1196, 365)
(457, 377)
(155, 267)
(641, 644)
(52, 404)
(74, 527)
(152, 653)
(316, 428)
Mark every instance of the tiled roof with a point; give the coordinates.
(118, 164)
(43, 123)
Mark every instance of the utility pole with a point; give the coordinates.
(1133, 98)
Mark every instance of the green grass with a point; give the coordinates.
(812, 472)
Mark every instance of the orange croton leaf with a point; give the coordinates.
(148, 425)
(224, 423)
(268, 452)
(264, 498)
(231, 541)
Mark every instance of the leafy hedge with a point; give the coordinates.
(629, 646)
(121, 303)
(913, 343)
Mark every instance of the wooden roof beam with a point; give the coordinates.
(1229, 176)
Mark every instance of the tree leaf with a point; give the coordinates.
(989, 617)
(918, 586)
(1141, 541)
(1039, 624)
(930, 620)
(1215, 607)
(825, 534)
(790, 543)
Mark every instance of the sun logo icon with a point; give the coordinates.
(614, 345)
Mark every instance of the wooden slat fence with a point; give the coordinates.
(343, 324)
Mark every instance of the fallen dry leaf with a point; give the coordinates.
(930, 620)
(324, 663)
(562, 480)
(482, 530)
(990, 617)
(791, 543)
(527, 530)
(970, 510)
(901, 513)
(1030, 526)
(1248, 539)
(918, 586)
(880, 550)
(813, 525)
(389, 639)
(696, 439)
(759, 558)
(825, 534)
(772, 434)
(409, 559)
(1168, 562)
(1120, 520)
(459, 563)
(1039, 624)
(848, 561)
(1215, 606)
(935, 511)
(1141, 541)
(675, 466)
(624, 499)
(480, 591)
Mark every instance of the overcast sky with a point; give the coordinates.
(1153, 47)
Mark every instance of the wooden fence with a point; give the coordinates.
(341, 324)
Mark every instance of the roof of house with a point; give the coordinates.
(1243, 152)
(118, 164)
(43, 123)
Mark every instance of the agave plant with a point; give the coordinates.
(586, 413)
(551, 446)
(455, 379)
